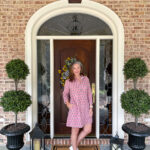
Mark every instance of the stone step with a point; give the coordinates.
(86, 141)
(102, 147)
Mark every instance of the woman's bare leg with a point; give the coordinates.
(86, 130)
(74, 134)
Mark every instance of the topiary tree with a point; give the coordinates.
(17, 70)
(135, 68)
(135, 101)
(16, 100)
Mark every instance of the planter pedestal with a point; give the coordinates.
(15, 139)
(15, 142)
(136, 140)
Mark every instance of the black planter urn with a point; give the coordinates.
(136, 137)
(15, 138)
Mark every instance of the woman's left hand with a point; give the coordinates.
(91, 112)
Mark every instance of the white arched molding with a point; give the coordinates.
(86, 7)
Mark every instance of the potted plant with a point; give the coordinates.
(15, 101)
(135, 102)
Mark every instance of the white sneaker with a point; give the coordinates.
(71, 148)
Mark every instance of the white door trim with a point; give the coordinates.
(97, 86)
(87, 7)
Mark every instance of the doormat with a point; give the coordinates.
(88, 147)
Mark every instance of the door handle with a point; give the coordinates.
(93, 92)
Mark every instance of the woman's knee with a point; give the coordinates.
(75, 131)
(88, 130)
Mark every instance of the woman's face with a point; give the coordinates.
(76, 69)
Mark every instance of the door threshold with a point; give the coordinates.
(68, 136)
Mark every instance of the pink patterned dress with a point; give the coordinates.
(80, 96)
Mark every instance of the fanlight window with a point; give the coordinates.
(74, 24)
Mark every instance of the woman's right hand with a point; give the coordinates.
(69, 105)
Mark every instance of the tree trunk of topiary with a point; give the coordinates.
(136, 121)
(136, 118)
(16, 88)
(16, 85)
(134, 82)
(15, 119)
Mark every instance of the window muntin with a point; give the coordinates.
(74, 24)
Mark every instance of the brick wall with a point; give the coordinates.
(14, 15)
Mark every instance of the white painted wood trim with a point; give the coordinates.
(34, 83)
(87, 7)
(120, 58)
(115, 88)
(75, 37)
(52, 88)
(97, 87)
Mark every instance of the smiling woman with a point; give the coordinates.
(77, 96)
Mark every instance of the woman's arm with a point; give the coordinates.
(66, 94)
(89, 93)
(90, 98)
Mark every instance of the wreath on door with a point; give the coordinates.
(64, 72)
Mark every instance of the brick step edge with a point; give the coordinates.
(83, 142)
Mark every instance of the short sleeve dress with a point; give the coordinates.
(80, 95)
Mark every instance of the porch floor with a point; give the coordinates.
(102, 147)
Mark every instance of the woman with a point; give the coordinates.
(78, 98)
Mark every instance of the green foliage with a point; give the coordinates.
(15, 101)
(135, 68)
(17, 69)
(135, 102)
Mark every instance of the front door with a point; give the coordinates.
(85, 51)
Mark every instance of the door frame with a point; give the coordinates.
(81, 41)
(52, 38)
(87, 7)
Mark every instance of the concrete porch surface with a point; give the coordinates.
(102, 147)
